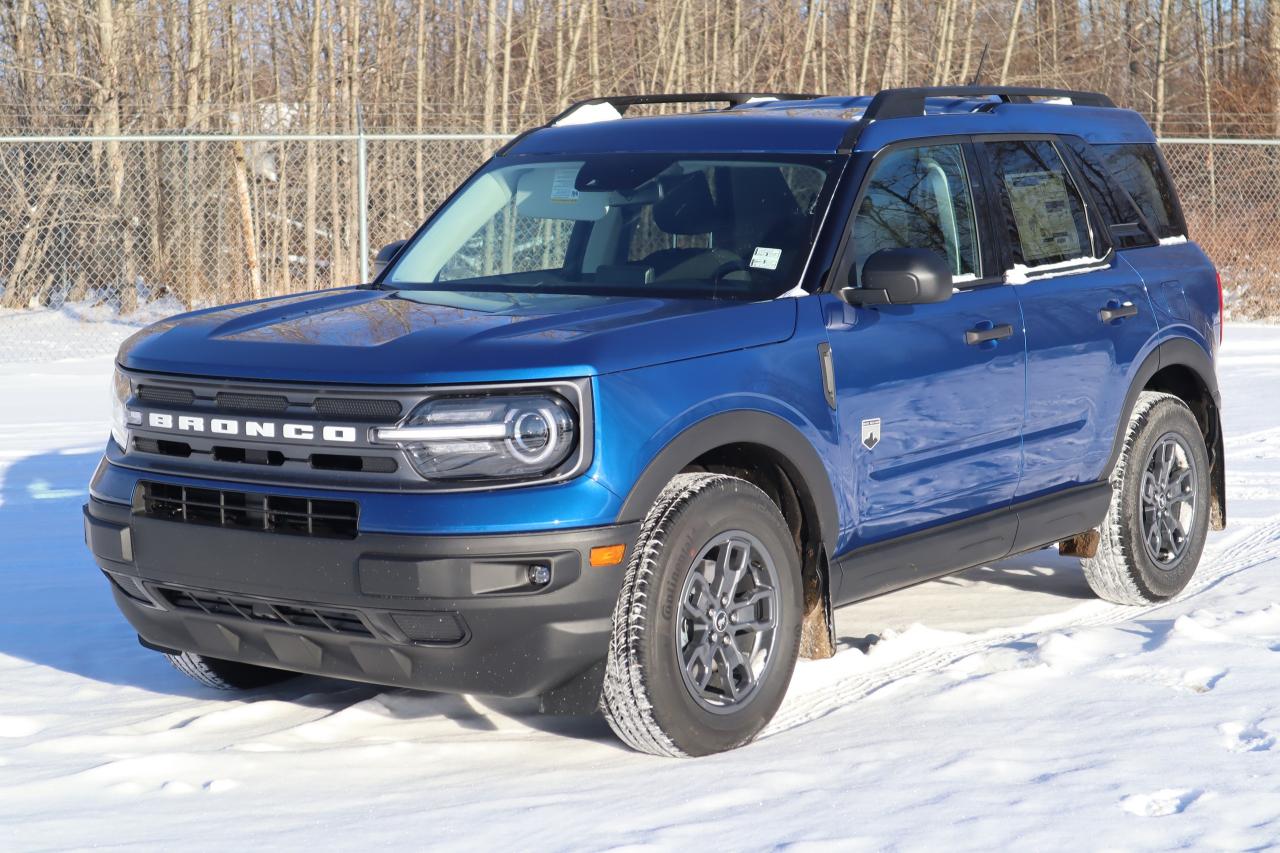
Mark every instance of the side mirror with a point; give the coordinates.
(385, 256)
(901, 277)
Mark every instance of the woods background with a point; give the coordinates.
(197, 222)
(1194, 67)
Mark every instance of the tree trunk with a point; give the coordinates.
(109, 115)
(1273, 55)
(894, 72)
(490, 67)
(1162, 61)
(312, 159)
(244, 203)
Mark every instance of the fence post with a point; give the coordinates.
(362, 192)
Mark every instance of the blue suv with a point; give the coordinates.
(647, 397)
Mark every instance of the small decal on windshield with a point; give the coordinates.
(766, 259)
(562, 185)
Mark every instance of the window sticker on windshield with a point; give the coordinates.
(562, 185)
(766, 259)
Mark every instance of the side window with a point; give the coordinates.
(919, 198)
(1044, 212)
(1141, 171)
(1129, 228)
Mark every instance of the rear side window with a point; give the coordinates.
(1129, 230)
(1044, 212)
(919, 198)
(1140, 170)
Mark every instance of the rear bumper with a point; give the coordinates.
(449, 613)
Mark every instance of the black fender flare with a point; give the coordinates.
(1186, 353)
(1176, 351)
(796, 456)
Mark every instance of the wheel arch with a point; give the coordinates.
(775, 456)
(1181, 367)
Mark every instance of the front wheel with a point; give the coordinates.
(707, 627)
(1150, 542)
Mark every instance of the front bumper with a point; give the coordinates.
(448, 613)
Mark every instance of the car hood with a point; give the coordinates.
(390, 337)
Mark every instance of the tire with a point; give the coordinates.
(1127, 568)
(684, 680)
(226, 674)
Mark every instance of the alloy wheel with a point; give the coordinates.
(1168, 500)
(728, 622)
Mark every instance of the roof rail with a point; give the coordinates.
(621, 103)
(905, 103)
(910, 103)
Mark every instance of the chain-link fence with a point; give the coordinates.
(101, 235)
(1230, 193)
(98, 235)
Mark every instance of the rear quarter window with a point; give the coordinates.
(1129, 229)
(1142, 172)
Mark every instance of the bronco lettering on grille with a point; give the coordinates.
(251, 429)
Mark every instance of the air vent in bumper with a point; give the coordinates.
(219, 604)
(249, 510)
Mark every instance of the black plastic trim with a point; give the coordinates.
(520, 640)
(734, 99)
(910, 102)
(798, 459)
(955, 546)
(1176, 351)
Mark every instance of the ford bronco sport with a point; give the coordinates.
(648, 396)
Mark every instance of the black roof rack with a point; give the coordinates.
(622, 103)
(886, 104)
(905, 103)
(910, 103)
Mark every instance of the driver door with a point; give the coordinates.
(929, 397)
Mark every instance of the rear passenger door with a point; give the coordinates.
(1087, 313)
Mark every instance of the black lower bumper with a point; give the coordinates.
(450, 613)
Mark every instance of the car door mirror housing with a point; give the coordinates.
(901, 277)
(385, 256)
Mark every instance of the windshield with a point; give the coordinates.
(625, 224)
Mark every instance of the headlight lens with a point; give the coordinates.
(121, 417)
(508, 437)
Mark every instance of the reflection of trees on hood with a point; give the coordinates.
(371, 322)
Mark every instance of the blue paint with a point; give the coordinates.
(965, 428)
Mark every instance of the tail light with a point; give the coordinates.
(1222, 314)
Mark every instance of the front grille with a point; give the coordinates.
(166, 396)
(374, 409)
(260, 610)
(250, 511)
(350, 409)
(252, 404)
(347, 462)
(163, 447)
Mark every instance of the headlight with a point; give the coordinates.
(508, 437)
(121, 417)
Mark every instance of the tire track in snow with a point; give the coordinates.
(1257, 545)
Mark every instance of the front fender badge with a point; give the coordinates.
(870, 432)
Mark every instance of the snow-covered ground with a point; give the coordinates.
(1002, 708)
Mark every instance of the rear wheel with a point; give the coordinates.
(1155, 529)
(707, 626)
(225, 674)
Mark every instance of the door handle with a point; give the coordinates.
(1117, 311)
(980, 335)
